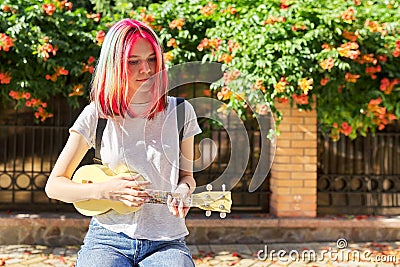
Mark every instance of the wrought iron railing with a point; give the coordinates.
(28, 152)
(360, 176)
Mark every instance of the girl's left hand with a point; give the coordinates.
(177, 205)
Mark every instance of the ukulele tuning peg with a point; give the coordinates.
(223, 187)
(222, 215)
(208, 213)
(209, 187)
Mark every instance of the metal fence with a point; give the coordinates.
(360, 176)
(28, 152)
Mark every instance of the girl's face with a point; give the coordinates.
(142, 63)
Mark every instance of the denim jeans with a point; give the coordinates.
(105, 248)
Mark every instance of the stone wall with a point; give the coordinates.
(70, 229)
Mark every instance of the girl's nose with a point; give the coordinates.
(145, 67)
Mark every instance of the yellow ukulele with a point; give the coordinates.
(96, 173)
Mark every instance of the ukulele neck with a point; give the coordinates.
(161, 197)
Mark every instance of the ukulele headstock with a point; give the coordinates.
(209, 201)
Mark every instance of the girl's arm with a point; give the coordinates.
(59, 185)
(186, 183)
(186, 164)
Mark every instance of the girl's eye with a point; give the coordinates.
(133, 62)
(152, 59)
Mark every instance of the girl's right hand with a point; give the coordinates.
(128, 189)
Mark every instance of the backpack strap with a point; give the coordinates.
(180, 109)
(101, 125)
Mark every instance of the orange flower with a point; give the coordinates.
(208, 9)
(281, 85)
(96, 17)
(367, 59)
(379, 115)
(341, 87)
(382, 58)
(346, 129)
(226, 58)
(296, 27)
(147, 18)
(91, 60)
(89, 67)
(283, 100)
(19, 95)
(351, 78)
(348, 15)
(327, 47)
(57, 72)
(42, 114)
(324, 81)
(374, 26)
(5, 78)
(172, 42)
(271, 20)
(66, 5)
(259, 86)
(232, 45)
(177, 23)
(61, 71)
(372, 70)
(351, 36)
(231, 10)
(224, 94)
(396, 51)
(7, 8)
(5, 42)
(168, 56)
(283, 4)
(45, 50)
(327, 64)
(100, 37)
(300, 99)
(209, 43)
(230, 76)
(349, 50)
(305, 85)
(387, 86)
(77, 90)
(49, 9)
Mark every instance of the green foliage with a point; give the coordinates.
(51, 45)
(344, 54)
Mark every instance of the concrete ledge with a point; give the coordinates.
(54, 229)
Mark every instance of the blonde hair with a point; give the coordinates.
(109, 86)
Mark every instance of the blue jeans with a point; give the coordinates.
(106, 248)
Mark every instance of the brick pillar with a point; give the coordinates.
(294, 170)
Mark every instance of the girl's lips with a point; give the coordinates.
(142, 80)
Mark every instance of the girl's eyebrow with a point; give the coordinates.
(134, 56)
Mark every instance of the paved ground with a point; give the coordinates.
(254, 255)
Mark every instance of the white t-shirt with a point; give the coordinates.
(151, 148)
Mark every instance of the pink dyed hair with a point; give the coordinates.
(109, 86)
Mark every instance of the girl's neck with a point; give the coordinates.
(141, 98)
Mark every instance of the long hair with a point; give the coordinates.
(109, 85)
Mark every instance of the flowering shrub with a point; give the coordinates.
(46, 48)
(343, 54)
